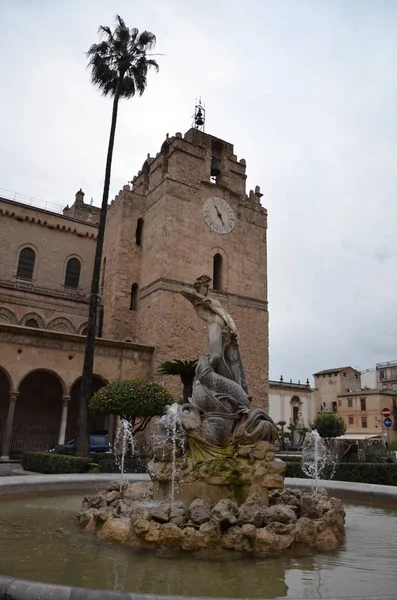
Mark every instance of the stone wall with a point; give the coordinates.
(55, 239)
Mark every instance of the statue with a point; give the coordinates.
(222, 332)
(218, 414)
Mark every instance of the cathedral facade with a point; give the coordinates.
(184, 215)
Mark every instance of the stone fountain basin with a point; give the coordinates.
(18, 589)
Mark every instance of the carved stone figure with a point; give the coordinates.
(222, 331)
(219, 411)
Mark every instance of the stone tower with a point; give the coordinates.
(187, 214)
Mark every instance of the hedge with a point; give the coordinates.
(290, 458)
(132, 464)
(379, 473)
(49, 462)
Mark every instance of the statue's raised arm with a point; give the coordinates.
(222, 330)
(220, 392)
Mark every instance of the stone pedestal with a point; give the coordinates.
(252, 468)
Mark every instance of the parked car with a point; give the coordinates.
(98, 443)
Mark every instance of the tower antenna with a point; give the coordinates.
(199, 115)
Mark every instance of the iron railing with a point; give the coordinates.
(30, 201)
(32, 439)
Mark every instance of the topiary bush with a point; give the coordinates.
(132, 400)
(51, 463)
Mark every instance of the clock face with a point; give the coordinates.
(218, 215)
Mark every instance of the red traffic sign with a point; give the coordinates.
(386, 413)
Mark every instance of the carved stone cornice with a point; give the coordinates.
(169, 285)
(62, 226)
(66, 341)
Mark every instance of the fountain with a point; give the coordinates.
(123, 445)
(216, 483)
(171, 431)
(317, 461)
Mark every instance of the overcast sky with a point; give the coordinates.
(306, 90)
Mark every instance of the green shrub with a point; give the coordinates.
(50, 462)
(370, 452)
(136, 398)
(329, 425)
(132, 464)
(378, 473)
(97, 457)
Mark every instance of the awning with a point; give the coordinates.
(359, 436)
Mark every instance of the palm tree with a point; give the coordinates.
(186, 370)
(119, 67)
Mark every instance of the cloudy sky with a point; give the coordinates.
(307, 92)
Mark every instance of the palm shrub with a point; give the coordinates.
(186, 369)
(119, 66)
(137, 401)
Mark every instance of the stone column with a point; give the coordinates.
(64, 419)
(5, 449)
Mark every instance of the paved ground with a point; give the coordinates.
(8, 467)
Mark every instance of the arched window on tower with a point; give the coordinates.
(26, 261)
(72, 277)
(139, 232)
(217, 276)
(216, 159)
(134, 296)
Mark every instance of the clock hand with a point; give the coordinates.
(219, 215)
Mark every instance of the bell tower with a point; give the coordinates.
(185, 214)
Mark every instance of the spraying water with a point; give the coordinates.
(123, 445)
(171, 422)
(316, 458)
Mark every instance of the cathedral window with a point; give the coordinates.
(217, 272)
(134, 296)
(26, 262)
(72, 277)
(139, 231)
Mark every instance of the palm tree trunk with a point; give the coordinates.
(187, 383)
(82, 447)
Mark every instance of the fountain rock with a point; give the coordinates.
(252, 528)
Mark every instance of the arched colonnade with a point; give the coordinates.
(40, 411)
